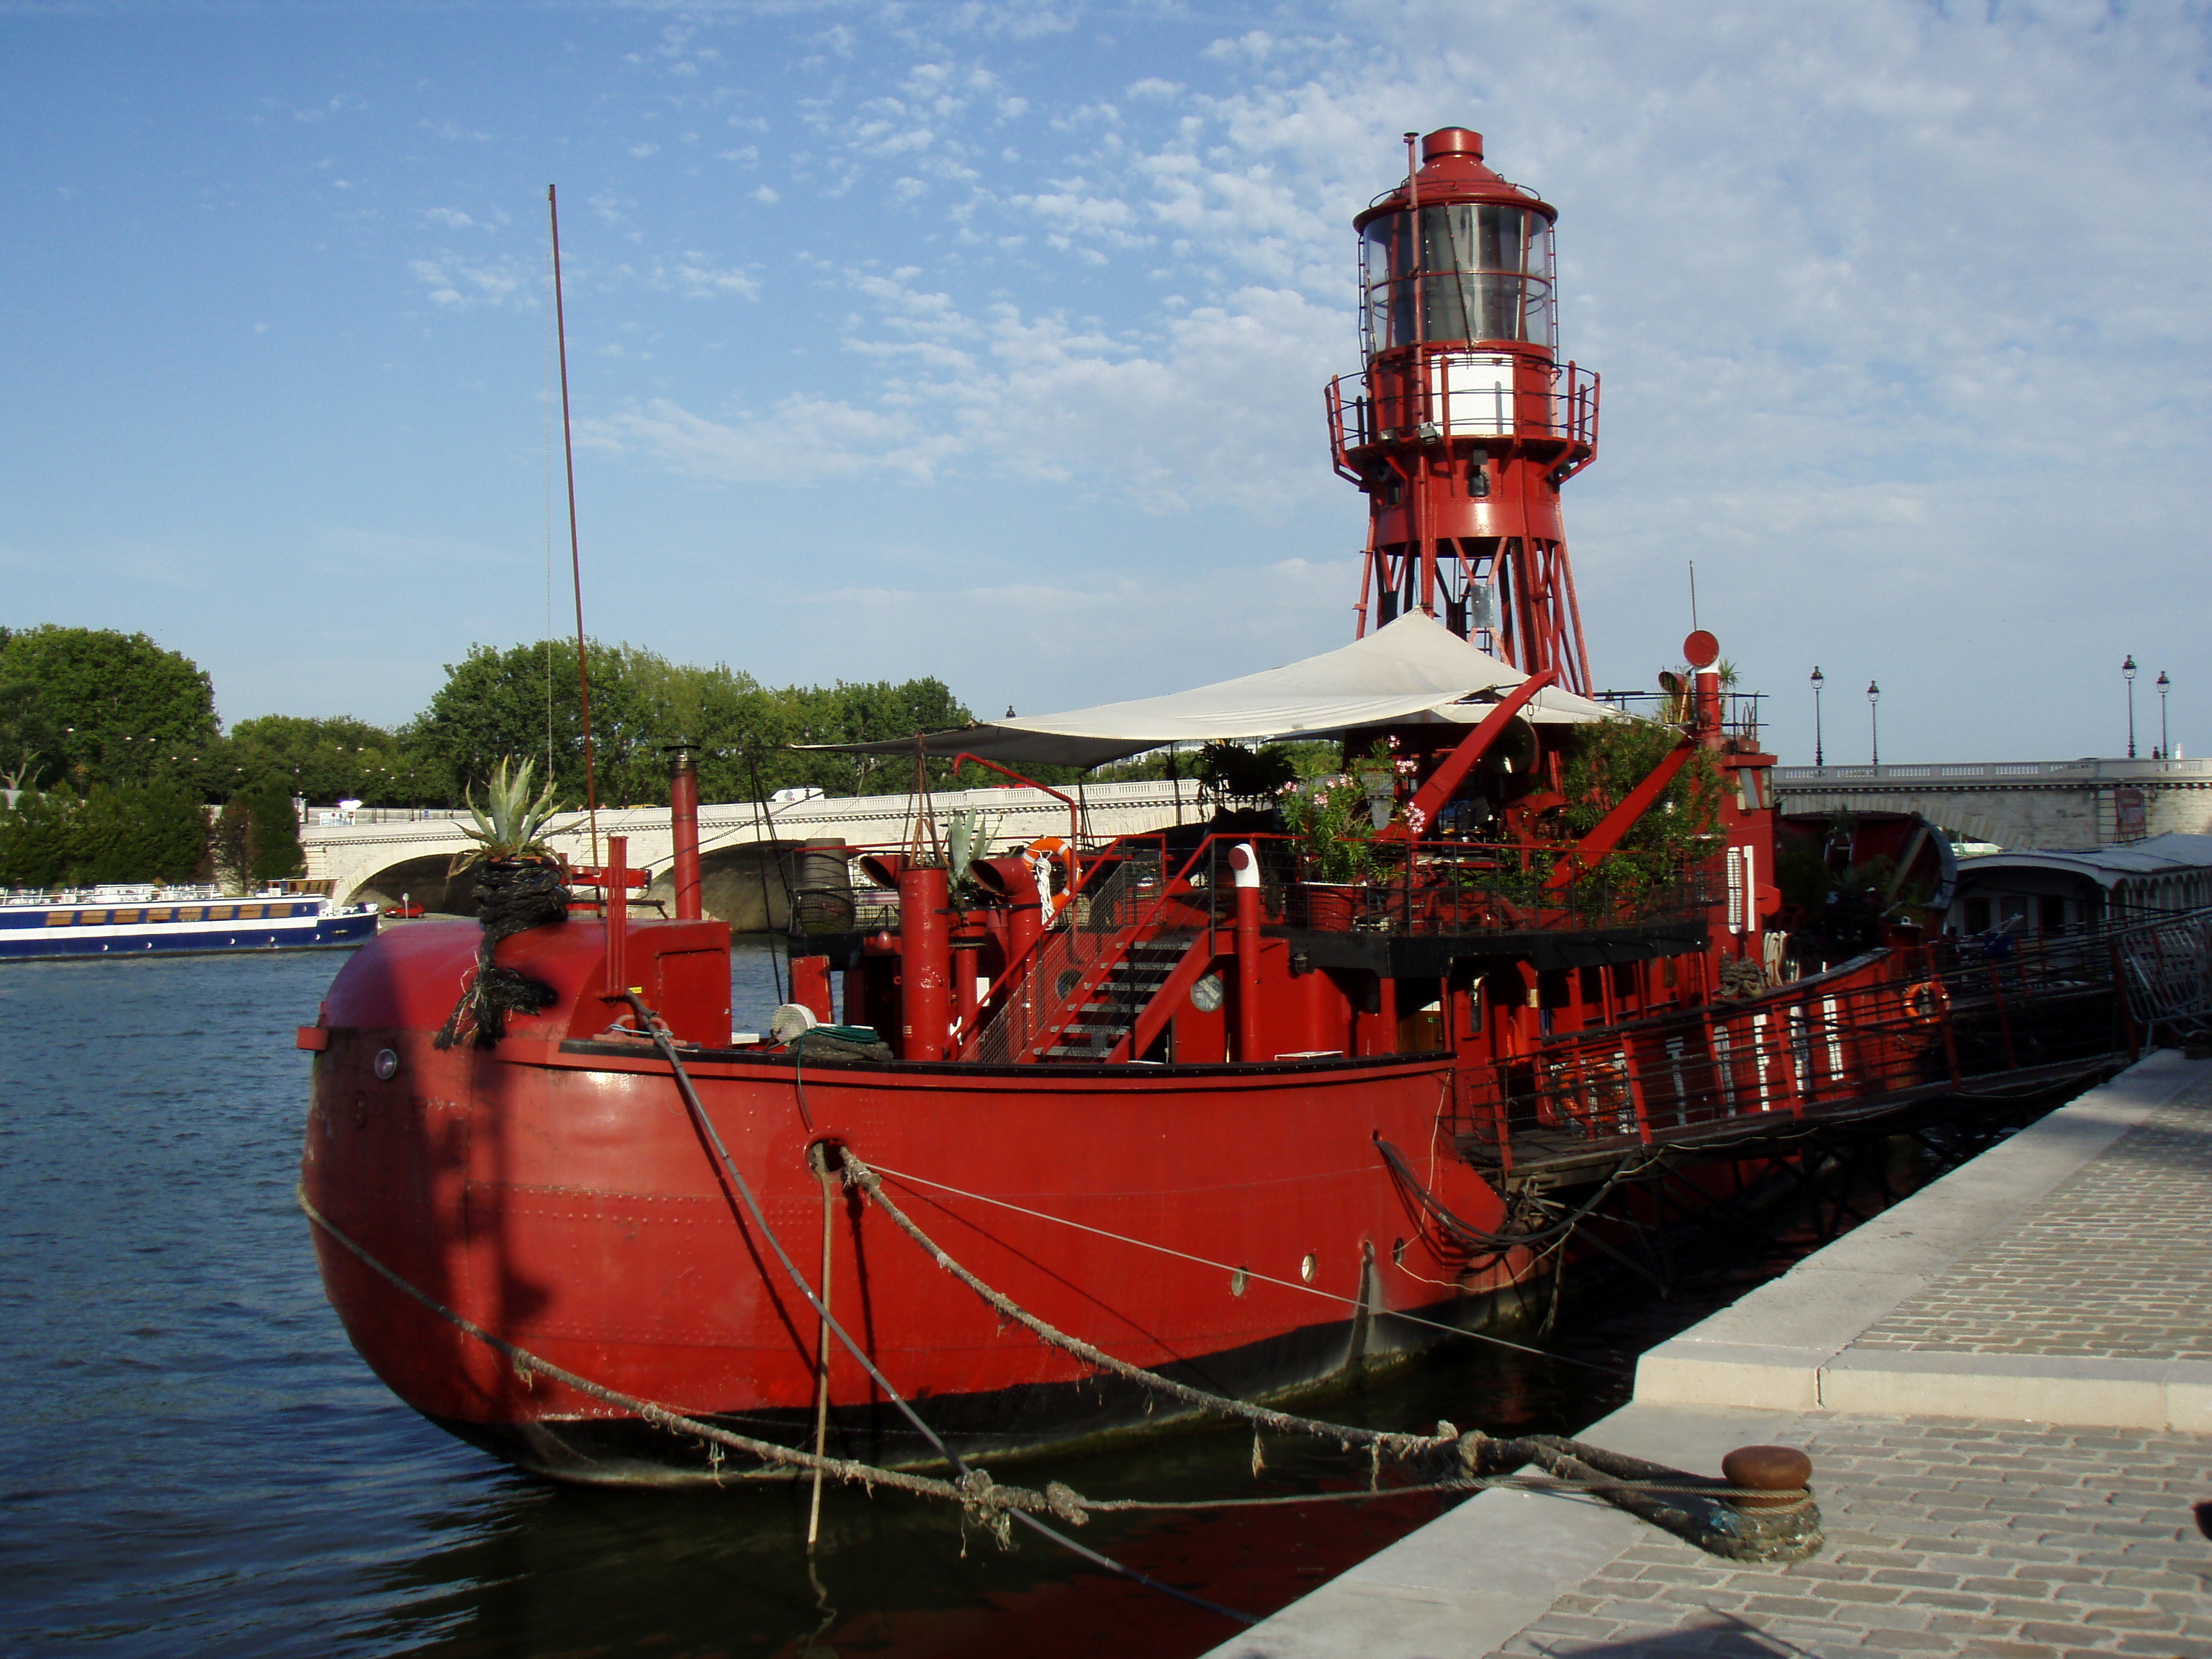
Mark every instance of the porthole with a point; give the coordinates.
(384, 1065)
(1206, 995)
(1306, 1269)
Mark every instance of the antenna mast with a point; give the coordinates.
(575, 558)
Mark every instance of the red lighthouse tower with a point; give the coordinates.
(1462, 423)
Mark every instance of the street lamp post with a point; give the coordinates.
(1819, 756)
(1873, 715)
(2164, 743)
(2128, 673)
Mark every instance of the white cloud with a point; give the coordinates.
(460, 282)
(700, 279)
(1203, 414)
(803, 438)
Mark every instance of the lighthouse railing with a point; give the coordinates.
(1458, 392)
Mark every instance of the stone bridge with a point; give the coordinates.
(381, 855)
(2059, 805)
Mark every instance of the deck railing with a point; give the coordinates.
(1922, 1018)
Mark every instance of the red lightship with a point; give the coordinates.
(1245, 1103)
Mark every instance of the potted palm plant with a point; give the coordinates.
(519, 886)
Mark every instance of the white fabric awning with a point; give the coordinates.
(1414, 670)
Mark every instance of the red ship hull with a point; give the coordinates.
(1232, 1224)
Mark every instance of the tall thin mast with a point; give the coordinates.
(575, 558)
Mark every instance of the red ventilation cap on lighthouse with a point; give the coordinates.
(1451, 140)
(1701, 649)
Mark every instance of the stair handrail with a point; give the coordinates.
(1046, 956)
(1027, 965)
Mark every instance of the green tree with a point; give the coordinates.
(111, 704)
(34, 847)
(230, 846)
(493, 705)
(168, 835)
(332, 759)
(1608, 760)
(27, 733)
(157, 832)
(276, 854)
(524, 703)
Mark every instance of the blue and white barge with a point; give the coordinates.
(112, 921)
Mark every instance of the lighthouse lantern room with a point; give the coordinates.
(1462, 423)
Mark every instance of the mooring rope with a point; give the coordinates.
(969, 1478)
(986, 1495)
(982, 1497)
(1397, 1445)
(1232, 1268)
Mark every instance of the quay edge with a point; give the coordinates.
(1517, 1571)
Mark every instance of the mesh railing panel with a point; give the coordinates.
(1098, 924)
(2167, 965)
(1938, 1015)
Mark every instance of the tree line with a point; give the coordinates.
(121, 770)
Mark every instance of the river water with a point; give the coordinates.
(196, 1461)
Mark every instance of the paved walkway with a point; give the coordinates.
(1945, 1536)
(2115, 1264)
(2005, 1384)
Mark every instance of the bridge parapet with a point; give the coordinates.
(378, 857)
(2059, 805)
(2088, 769)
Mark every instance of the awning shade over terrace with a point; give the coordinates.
(1414, 670)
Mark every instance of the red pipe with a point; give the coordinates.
(1246, 864)
(1436, 794)
(1706, 695)
(614, 885)
(683, 824)
(967, 954)
(925, 964)
(1074, 818)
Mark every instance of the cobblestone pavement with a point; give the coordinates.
(2115, 1263)
(1944, 1536)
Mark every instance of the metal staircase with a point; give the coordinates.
(1109, 1011)
(1079, 993)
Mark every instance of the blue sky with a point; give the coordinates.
(986, 340)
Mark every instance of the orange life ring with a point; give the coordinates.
(1926, 1003)
(1039, 855)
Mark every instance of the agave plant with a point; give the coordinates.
(507, 824)
(968, 841)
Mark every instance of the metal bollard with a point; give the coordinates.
(1781, 1469)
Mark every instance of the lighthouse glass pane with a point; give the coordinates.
(1386, 262)
(1487, 269)
(1485, 273)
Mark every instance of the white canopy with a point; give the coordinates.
(1414, 670)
